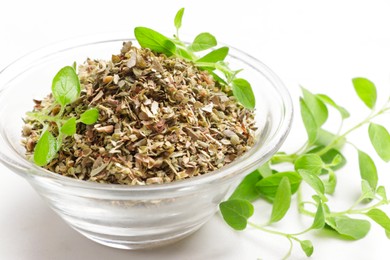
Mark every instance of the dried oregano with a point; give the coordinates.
(160, 119)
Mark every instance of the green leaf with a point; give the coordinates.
(236, 213)
(325, 137)
(183, 54)
(316, 107)
(246, 190)
(380, 218)
(319, 219)
(45, 149)
(282, 200)
(335, 158)
(366, 91)
(331, 157)
(242, 90)
(269, 185)
(90, 116)
(178, 18)
(203, 42)
(66, 86)
(352, 228)
(330, 184)
(309, 122)
(155, 41)
(381, 191)
(309, 162)
(215, 55)
(380, 139)
(265, 170)
(367, 191)
(314, 181)
(327, 100)
(69, 127)
(216, 77)
(368, 170)
(307, 247)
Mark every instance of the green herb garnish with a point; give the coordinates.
(65, 89)
(212, 61)
(315, 164)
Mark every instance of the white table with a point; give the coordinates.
(320, 45)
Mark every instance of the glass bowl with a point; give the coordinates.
(132, 217)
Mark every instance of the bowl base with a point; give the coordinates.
(128, 243)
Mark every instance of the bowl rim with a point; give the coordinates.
(228, 171)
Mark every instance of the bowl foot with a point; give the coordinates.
(128, 242)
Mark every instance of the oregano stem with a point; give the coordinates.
(259, 227)
(340, 137)
(41, 118)
(290, 250)
(358, 211)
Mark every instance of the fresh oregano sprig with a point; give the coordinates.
(316, 164)
(65, 89)
(212, 61)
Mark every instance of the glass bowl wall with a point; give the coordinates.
(132, 217)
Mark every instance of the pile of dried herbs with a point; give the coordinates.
(160, 119)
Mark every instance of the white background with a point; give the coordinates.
(320, 45)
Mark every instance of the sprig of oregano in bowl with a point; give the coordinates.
(66, 90)
(213, 61)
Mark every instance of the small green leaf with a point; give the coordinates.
(330, 184)
(335, 158)
(309, 162)
(178, 18)
(215, 55)
(326, 99)
(69, 127)
(236, 213)
(319, 219)
(331, 157)
(216, 77)
(314, 181)
(380, 218)
(316, 107)
(366, 91)
(45, 149)
(381, 191)
(66, 86)
(269, 185)
(352, 228)
(242, 90)
(183, 54)
(367, 191)
(155, 41)
(265, 170)
(74, 66)
(324, 138)
(368, 170)
(309, 122)
(246, 190)
(282, 200)
(307, 247)
(380, 139)
(203, 42)
(90, 116)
